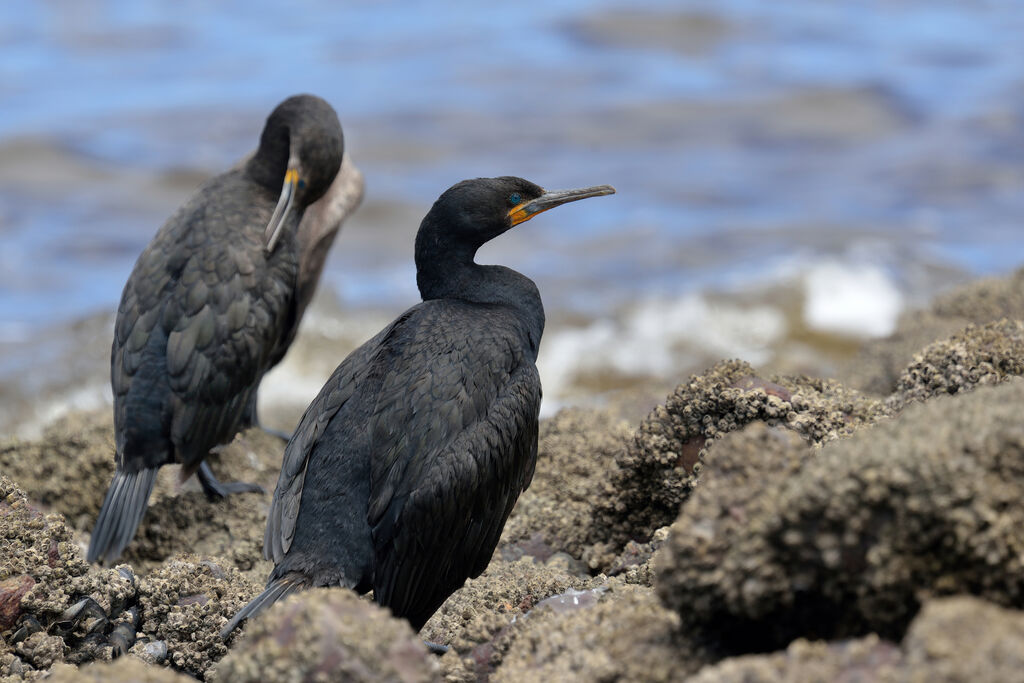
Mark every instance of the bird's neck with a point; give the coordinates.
(268, 165)
(457, 276)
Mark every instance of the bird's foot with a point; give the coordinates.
(435, 648)
(216, 489)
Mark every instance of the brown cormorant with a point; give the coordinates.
(403, 470)
(211, 303)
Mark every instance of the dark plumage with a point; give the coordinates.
(320, 224)
(405, 467)
(210, 305)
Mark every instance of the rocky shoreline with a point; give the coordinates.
(753, 527)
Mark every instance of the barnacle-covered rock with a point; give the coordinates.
(620, 633)
(985, 300)
(880, 363)
(475, 620)
(575, 460)
(124, 670)
(877, 365)
(331, 635)
(70, 467)
(659, 467)
(42, 572)
(977, 356)
(784, 545)
(951, 639)
(186, 602)
(67, 469)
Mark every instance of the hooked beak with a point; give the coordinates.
(549, 200)
(283, 208)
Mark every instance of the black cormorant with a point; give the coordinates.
(210, 305)
(403, 470)
(320, 224)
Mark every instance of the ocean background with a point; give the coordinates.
(791, 176)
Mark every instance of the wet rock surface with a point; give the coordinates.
(746, 513)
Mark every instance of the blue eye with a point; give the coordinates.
(302, 184)
(514, 198)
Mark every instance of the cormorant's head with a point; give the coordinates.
(473, 212)
(300, 153)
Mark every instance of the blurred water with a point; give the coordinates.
(747, 139)
(740, 134)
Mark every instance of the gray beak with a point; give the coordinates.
(281, 211)
(551, 199)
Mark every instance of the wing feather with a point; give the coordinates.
(452, 450)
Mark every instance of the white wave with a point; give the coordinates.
(858, 300)
(658, 338)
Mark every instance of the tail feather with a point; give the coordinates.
(122, 510)
(276, 589)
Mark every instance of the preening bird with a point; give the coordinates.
(403, 470)
(211, 304)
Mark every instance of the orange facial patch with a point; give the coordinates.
(518, 213)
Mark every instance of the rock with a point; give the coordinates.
(977, 356)
(621, 634)
(328, 634)
(12, 590)
(474, 621)
(41, 650)
(951, 639)
(54, 607)
(186, 602)
(575, 456)
(69, 469)
(879, 364)
(39, 549)
(634, 563)
(230, 528)
(867, 659)
(965, 639)
(783, 544)
(151, 651)
(123, 670)
(659, 467)
(985, 300)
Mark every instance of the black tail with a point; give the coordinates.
(121, 513)
(275, 590)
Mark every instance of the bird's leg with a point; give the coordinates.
(215, 489)
(279, 433)
(250, 419)
(435, 648)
